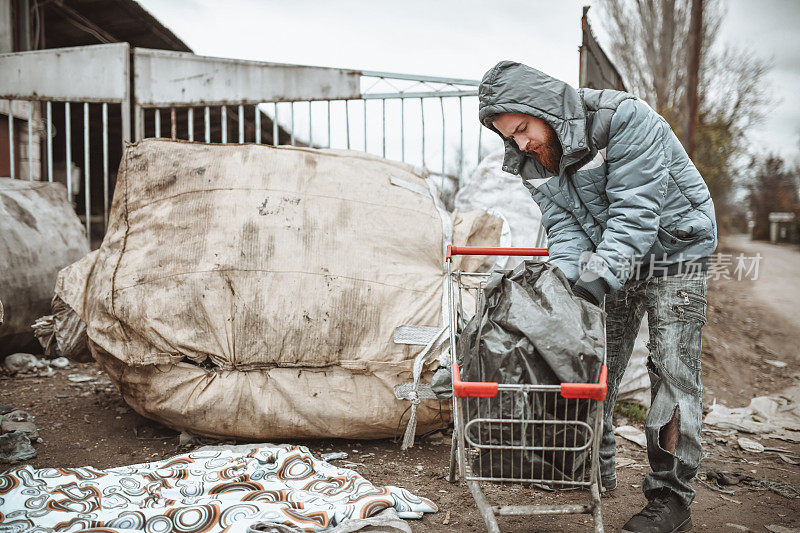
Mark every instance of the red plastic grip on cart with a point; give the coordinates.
(472, 389)
(481, 250)
(592, 391)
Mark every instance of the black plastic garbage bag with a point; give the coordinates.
(530, 329)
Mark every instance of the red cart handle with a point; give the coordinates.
(593, 391)
(472, 389)
(481, 389)
(493, 250)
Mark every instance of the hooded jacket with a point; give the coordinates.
(625, 192)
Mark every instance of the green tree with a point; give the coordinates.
(772, 187)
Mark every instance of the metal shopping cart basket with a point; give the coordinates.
(525, 448)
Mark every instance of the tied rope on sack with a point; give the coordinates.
(413, 391)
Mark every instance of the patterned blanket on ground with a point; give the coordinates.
(202, 491)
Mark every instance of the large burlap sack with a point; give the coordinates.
(39, 235)
(253, 292)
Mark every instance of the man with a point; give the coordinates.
(631, 223)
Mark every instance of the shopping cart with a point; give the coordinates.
(555, 452)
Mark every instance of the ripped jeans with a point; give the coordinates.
(676, 309)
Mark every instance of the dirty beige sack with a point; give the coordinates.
(39, 235)
(62, 334)
(253, 292)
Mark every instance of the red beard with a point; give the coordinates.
(551, 152)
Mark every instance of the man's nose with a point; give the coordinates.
(522, 142)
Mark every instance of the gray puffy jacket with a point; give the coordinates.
(625, 191)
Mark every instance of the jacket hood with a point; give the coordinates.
(511, 87)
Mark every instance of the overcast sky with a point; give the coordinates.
(464, 38)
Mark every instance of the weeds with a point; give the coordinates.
(631, 410)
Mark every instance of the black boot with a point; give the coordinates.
(665, 513)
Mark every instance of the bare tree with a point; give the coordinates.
(647, 48)
(692, 104)
(650, 44)
(649, 41)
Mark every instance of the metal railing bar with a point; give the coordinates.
(157, 121)
(49, 141)
(374, 83)
(258, 124)
(403, 130)
(365, 125)
(552, 459)
(105, 163)
(444, 131)
(173, 124)
(480, 134)
(224, 119)
(543, 426)
(241, 124)
(388, 82)
(564, 443)
(28, 97)
(30, 141)
(383, 121)
(207, 123)
(541, 480)
(412, 77)
(68, 147)
(138, 122)
(11, 138)
(347, 120)
(461, 139)
(310, 127)
(419, 94)
(522, 429)
(190, 122)
(591, 433)
(422, 113)
(275, 135)
(291, 124)
(86, 163)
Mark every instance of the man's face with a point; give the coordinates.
(532, 135)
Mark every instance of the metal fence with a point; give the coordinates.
(68, 111)
(71, 110)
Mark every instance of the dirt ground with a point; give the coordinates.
(87, 423)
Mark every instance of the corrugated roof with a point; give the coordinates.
(84, 22)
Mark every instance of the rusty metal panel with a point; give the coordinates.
(97, 73)
(165, 78)
(597, 71)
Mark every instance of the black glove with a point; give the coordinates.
(581, 292)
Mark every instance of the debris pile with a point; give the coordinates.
(775, 416)
(26, 363)
(18, 431)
